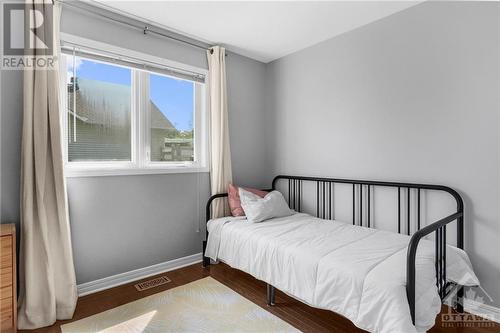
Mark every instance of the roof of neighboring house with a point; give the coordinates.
(158, 119)
(103, 103)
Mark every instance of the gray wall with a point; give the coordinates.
(247, 121)
(10, 142)
(121, 223)
(412, 97)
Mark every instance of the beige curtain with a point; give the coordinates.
(220, 152)
(47, 275)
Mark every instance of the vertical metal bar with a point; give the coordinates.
(460, 230)
(418, 209)
(399, 210)
(437, 258)
(408, 212)
(444, 258)
(289, 193)
(460, 245)
(333, 200)
(317, 198)
(323, 200)
(441, 262)
(300, 192)
(438, 235)
(297, 194)
(361, 204)
(353, 204)
(329, 200)
(410, 286)
(369, 213)
(294, 193)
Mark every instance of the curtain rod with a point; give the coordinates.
(145, 29)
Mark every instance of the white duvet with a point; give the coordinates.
(355, 271)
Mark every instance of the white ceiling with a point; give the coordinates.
(262, 30)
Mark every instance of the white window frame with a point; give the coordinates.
(140, 162)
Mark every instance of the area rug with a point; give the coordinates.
(204, 305)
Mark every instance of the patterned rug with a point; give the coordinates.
(201, 306)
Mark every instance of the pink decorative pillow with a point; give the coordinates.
(234, 198)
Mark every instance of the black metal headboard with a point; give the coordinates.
(325, 210)
(324, 187)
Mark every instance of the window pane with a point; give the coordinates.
(171, 109)
(99, 116)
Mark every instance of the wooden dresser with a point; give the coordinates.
(8, 305)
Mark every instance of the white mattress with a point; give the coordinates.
(355, 271)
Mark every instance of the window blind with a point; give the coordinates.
(127, 61)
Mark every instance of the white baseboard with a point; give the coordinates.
(141, 273)
(482, 310)
(479, 309)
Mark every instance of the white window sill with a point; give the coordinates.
(99, 172)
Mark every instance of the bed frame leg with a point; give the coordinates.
(460, 300)
(271, 295)
(206, 260)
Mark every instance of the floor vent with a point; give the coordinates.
(152, 283)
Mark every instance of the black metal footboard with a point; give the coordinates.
(439, 227)
(325, 187)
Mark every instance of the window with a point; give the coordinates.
(171, 110)
(99, 98)
(125, 116)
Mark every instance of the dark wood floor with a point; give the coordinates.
(303, 317)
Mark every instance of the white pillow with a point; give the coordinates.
(259, 209)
